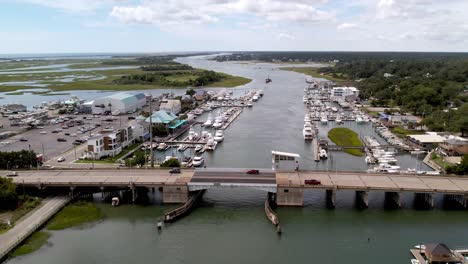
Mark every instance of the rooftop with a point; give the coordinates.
(161, 116)
(428, 138)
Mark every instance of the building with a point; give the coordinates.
(141, 131)
(349, 94)
(200, 95)
(283, 161)
(119, 103)
(15, 108)
(109, 142)
(172, 106)
(167, 118)
(454, 146)
(440, 253)
(427, 141)
(85, 108)
(400, 119)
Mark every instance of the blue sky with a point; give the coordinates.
(56, 26)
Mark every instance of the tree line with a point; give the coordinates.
(23, 159)
(194, 78)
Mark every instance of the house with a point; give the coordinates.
(200, 95)
(454, 146)
(427, 141)
(141, 131)
(172, 106)
(109, 142)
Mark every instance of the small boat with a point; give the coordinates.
(192, 135)
(323, 154)
(323, 120)
(198, 161)
(182, 147)
(115, 201)
(208, 122)
(338, 120)
(417, 152)
(268, 80)
(422, 247)
(359, 119)
(260, 92)
(163, 146)
(255, 98)
(219, 136)
(308, 133)
(198, 148)
(415, 261)
(211, 144)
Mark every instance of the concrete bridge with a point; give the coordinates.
(288, 186)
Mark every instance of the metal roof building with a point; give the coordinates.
(119, 103)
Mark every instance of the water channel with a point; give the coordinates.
(230, 226)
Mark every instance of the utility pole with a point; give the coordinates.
(151, 131)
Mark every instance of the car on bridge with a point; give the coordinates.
(61, 159)
(253, 172)
(312, 182)
(174, 170)
(12, 174)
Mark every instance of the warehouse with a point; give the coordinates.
(119, 103)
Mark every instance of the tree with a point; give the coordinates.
(8, 195)
(171, 163)
(190, 92)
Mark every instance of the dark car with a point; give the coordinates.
(67, 134)
(61, 140)
(253, 172)
(76, 143)
(23, 139)
(174, 170)
(131, 117)
(312, 182)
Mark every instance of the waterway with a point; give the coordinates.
(230, 226)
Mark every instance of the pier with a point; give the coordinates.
(185, 208)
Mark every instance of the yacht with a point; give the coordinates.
(323, 119)
(219, 136)
(211, 144)
(198, 161)
(255, 98)
(323, 154)
(192, 135)
(198, 148)
(182, 147)
(308, 133)
(218, 122)
(338, 120)
(359, 119)
(162, 146)
(208, 122)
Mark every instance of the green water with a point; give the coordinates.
(230, 227)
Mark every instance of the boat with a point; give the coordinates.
(219, 136)
(359, 119)
(182, 147)
(198, 148)
(249, 104)
(338, 120)
(417, 152)
(255, 98)
(163, 146)
(308, 133)
(211, 144)
(268, 80)
(208, 122)
(198, 161)
(192, 135)
(323, 120)
(415, 261)
(260, 92)
(323, 154)
(422, 247)
(115, 201)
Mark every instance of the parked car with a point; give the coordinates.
(174, 170)
(253, 172)
(61, 140)
(67, 134)
(312, 182)
(60, 159)
(12, 174)
(23, 139)
(43, 132)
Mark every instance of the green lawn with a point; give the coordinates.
(112, 160)
(75, 214)
(29, 204)
(342, 136)
(313, 71)
(231, 81)
(33, 243)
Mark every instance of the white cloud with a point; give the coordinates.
(345, 26)
(74, 5)
(182, 11)
(286, 36)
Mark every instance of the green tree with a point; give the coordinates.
(190, 92)
(171, 163)
(8, 195)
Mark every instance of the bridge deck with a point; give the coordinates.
(234, 176)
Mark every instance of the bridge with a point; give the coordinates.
(288, 186)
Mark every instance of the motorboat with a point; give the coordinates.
(249, 104)
(359, 119)
(162, 146)
(192, 135)
(308, 133)
(417, 152)
(198, 161)
(415, 261)
(338, 120)
(182, 147)
(218, 122)
(198, 148)
(219, 136)
(422, 247)
(255, 98)
(323, 120)
(307, 124)
(115, 201)
(260, 92)
(323, 154)
(211, 144)
(208, 122)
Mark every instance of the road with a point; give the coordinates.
(29, 223)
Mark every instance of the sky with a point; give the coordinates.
(67, 26)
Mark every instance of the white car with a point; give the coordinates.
(43, 132)
(61, 159)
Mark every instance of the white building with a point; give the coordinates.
(172, 106)
(140, 130)
(344, 93)
(119, 103)
(109, 143)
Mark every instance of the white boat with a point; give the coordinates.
(422, 247)
(115, 201)
(219, 136)
(307, 124)
(198, 161)
(415, 261)
(308, 133)
(260, 92)
(182, 147)
(208, 122)
(255, 98)
(162, 146)
(338, 120)
(192, 135)
(359, 119)
(323, 120)
(417, 152)
(198, 148)
(211, 144)
(249, 104)
(218, 122)
(323, 154)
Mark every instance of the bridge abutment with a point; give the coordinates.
(290, 196)
(331, 198)
(175, 194)
(425, 200)
(455, 201)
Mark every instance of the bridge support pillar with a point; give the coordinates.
(331, 198)
(133, 189)
(175, 194)
(465, 201)
(290, 196)
(362, 198)
(72, 188)
(392, 200)
(455, 201)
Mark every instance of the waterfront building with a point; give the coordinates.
(172, 106)
(140, 130)
(427, 141)
(348, 94)
(284, 161)
(108, 143)
(119, 103)
(167, 118)
(454, 146)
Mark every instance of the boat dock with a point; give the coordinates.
(316, 149)
(231, 119)
(271, 215)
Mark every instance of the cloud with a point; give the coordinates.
(286, 36)
(345, 26)
(74, 5)
(182, 11)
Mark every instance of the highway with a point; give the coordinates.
(29, 223)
